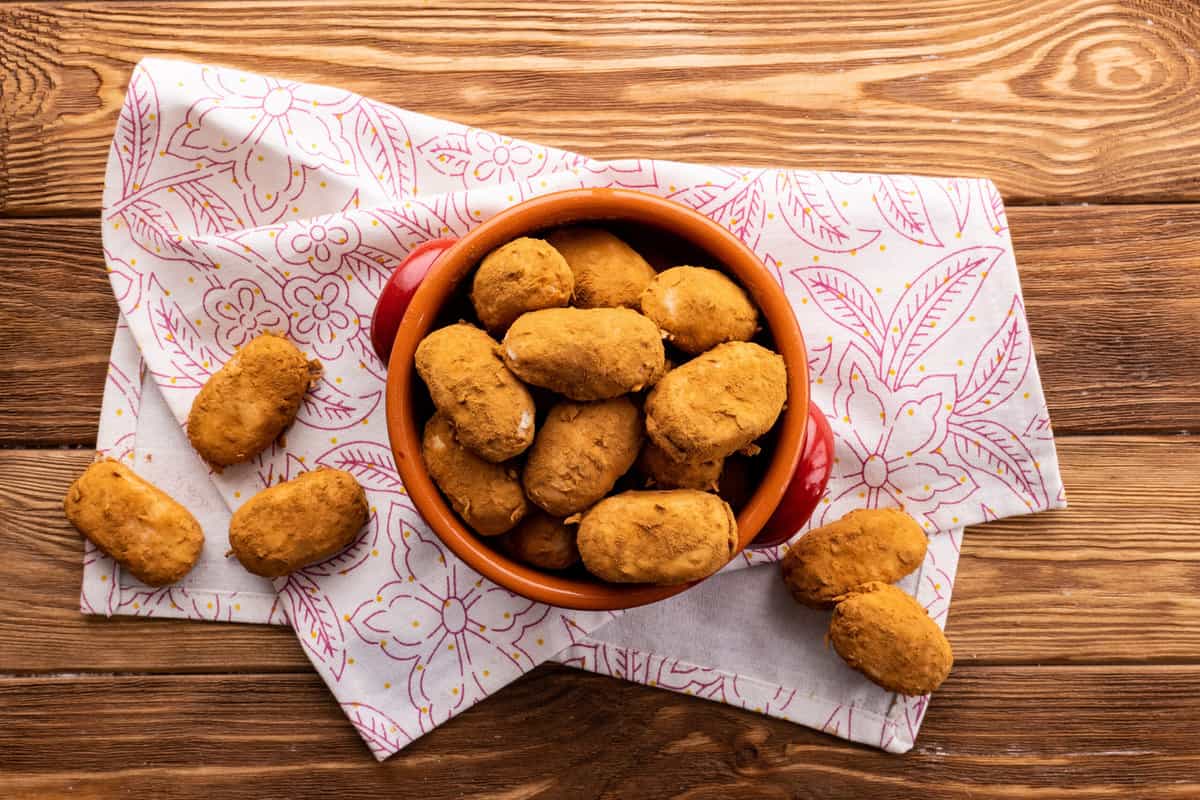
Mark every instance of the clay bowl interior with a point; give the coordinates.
(667, 235)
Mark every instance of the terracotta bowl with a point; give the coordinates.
(427, 291)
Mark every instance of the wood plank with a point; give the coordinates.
(1088, 100)
(59, 315)
(991, 733)
(1105, 287)
(1124, 558)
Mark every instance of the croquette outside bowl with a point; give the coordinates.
(425, 288)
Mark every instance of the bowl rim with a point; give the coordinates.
(581, 206)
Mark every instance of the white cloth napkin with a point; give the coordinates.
(236, 203)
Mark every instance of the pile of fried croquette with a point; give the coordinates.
(240, 411)
(878, 629)
(588, 415)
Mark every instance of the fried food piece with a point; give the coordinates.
(717, 403)
(657, 537)
(699, 308)
(523, 275)
(608, 272)
(492, 412)
(884, 633)
(663, 471)
(135, 522)
(585, 353)
(247, 403)
(298, 522)
(871, 544)
(580, 452)
(487, 496)
(542, 541)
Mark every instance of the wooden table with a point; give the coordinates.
(1077, 632)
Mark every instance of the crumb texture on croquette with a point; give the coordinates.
(524, 275)
(885, 634)
(298, 522)
(608, 272)
(245, 405)
(699, 308)
(492, 412)
(542, 541)
(585, 353)
(487, 496)
(717, 403)
(659, 469)
(580, 452)
(662, 537)
(870, 544)
(142, 527)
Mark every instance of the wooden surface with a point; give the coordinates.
(1077, 632)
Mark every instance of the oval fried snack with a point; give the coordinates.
(585, 353)
(665, 537)
(608, 272)
(580, 452)
(717, 403)
(542, 541)
(523, 275)
(487, 496)
(699, 308)
(661, 470)
(142, 527)
(492, 412)
(247, 403)
(884, 633)
(298, 522)
(871, 544)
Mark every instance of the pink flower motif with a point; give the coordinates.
(482, 158)
(242, 311)
(322, 316)
(890, 445)
(269, 130)
(320, 242)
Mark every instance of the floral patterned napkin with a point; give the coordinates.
(236, 203)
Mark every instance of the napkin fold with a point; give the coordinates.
(236, 203)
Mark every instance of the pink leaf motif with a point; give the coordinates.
(385, 147)
(130, 386)
(631, 173)
(1000, 366)
(371, 268)
(382, 734)
(328, 408)
(993, 205)
(683, 677)
(154, 230)
(933, 304)
(990, 448)
(811, 212)
(210, 212)
(186, 349)
(842, 297)
(136, 139)
(125, 279)
(449, 154)
(738, 204)
(370, 462)
(316, 621)
(418, 221)
(902, 206)
(958, 191)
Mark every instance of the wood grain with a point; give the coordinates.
(992, 733)
(1087, 100)
(1025, 586)
(1105, 289)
